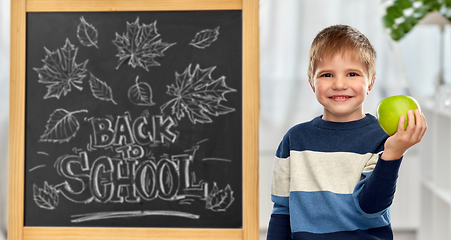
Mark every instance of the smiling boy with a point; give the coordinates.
(335, 176)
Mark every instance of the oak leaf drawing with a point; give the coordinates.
(46, 197)
(219, 200)
(60, 71)
(197, 95)
(140, 45)
(61, 126)
(100, 89)
(205, 38)
(87, 34)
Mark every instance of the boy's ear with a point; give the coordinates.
(370, 87)
(311, 85)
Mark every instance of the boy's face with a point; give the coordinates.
(341, 85)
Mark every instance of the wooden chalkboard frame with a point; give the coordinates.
(19, 9)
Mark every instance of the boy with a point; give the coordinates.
(335, 176)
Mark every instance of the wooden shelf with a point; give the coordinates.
(435, 152)
(441, 193)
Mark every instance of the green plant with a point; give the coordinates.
(402, 15)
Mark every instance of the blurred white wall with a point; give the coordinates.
(4, 112)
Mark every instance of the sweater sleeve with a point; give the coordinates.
(279, 225)
(378, 188)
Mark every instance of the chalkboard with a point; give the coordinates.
(134, 119)
(88, 106)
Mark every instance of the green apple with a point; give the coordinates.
(390, 110)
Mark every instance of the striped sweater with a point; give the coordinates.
(329, 182)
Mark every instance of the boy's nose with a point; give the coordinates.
(339, 84)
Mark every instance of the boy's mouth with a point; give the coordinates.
(340, 98)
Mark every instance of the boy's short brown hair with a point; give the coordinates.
(342, 39)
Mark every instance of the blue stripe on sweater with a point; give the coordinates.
(369, 234)
(332, 212)
(361, 136)
(280, 205)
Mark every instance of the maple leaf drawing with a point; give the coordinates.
(198, 95)
(140, 45)
(60, 71)
(219, 200)
(46, 197)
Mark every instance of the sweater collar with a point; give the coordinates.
(319, 122)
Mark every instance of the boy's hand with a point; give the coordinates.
(397, 144)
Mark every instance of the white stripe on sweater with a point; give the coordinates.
(310, 171)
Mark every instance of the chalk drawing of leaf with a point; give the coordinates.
(219, 200)
(100, 89)
(140, 93)
(46, 197)
(61, 126)
(140, 45)
(87, 34)
(205, 38)
(60, 71)
(198, 95)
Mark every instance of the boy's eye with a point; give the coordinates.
(326, 75)
(352, 74)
